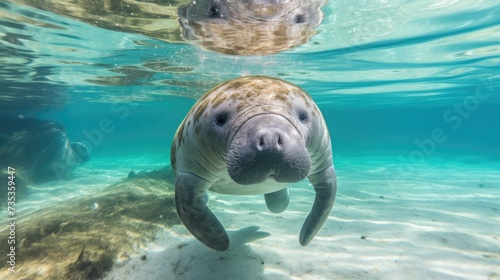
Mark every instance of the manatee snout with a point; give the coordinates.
(268, 146)
(270, 140)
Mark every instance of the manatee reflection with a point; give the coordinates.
(237, 27)
(249, 27)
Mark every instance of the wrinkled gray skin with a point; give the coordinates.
(251, 136)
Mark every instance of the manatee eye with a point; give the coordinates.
(214, 11)
(300, 18)
(303, 117)
(221, 118)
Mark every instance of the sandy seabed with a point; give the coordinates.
(435, 220)
(439, 219)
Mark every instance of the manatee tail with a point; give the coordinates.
(190, 201)
(325, 188)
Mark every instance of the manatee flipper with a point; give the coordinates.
(190, 191)
(325, 185)
(277, 201)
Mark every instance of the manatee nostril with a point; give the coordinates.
(270, 140)
(261, 141)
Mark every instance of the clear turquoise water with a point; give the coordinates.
(387, 75)
(384, 73)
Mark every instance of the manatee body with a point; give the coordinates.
(39, 150)
(251, 135)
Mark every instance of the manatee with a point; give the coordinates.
(251, 135)
(39, 150)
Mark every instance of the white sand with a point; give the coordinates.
(438, 220)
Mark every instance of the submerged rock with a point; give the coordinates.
(152, 18)
(72, 240)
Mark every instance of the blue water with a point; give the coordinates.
(410, 91)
